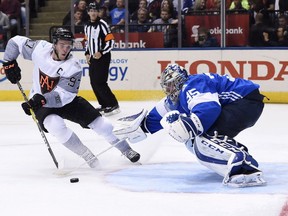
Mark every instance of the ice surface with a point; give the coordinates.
(169, 182)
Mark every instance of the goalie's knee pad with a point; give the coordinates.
(223, 155)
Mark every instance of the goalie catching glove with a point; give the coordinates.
(35, 103)
(12, 71)
(181, 127)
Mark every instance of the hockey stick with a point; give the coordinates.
(39, 127)
(67, 172)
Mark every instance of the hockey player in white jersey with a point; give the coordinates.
(206, 111)
(53, 97)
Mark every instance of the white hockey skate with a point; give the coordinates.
(90, 159)
(245, 180)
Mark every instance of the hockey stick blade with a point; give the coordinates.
(62, 172)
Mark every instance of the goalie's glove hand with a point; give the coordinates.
(181, 127)
(35, 103)
(12, 71)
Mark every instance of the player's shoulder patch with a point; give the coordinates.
(77, 64)
(44, 43)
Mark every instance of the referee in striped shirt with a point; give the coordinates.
(100, 42)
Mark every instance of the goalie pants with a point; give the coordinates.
(239, 115)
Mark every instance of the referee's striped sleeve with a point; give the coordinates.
(109, 38)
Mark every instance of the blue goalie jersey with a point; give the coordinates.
(203, 95)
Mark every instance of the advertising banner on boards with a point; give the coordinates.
(237, 28)
(139, 71)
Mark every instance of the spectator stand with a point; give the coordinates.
(139, 40)
(238, 25)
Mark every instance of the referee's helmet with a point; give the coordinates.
(94, 6)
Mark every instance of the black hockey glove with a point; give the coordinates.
(12, 71)
(35, 103)
(26, 107)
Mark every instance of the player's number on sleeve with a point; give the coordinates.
(72, 81)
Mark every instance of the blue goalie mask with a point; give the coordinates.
(172, 80)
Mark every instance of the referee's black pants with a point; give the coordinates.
(99, 72)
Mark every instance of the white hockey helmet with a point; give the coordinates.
(172, 79)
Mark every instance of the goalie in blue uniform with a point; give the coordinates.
(205, 112)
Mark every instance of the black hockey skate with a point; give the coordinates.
(132, 155)
(108, 111)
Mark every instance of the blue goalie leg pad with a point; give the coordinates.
(243, 164)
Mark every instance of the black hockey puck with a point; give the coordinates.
(74, 180)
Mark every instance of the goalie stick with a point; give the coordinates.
(39, 127)
(62, 172)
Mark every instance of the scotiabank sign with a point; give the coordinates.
(237, 28)
(135, 40)
(140, 40)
